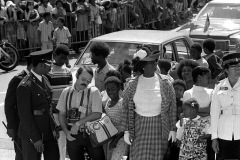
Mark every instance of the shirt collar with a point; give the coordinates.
(105, 68)
(198, 88)
(37, 75)
(226, 83)
(210, 55)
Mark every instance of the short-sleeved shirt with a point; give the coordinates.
(61, 35)
(100, 75)
(94, 104)
(42, 9)
(46, 30)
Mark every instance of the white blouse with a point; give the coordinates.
(148, 98)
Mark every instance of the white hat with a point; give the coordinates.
(9, 3)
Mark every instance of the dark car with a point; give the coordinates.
(224, 24)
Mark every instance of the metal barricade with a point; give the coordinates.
(24, 35)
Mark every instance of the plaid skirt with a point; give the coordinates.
(148, 143)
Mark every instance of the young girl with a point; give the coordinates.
(193, 130)
(117, 148)
(32, 16)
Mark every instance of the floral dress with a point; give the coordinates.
(189, 134)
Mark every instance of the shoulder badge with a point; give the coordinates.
(25, 79)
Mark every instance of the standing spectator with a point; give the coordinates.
(199, 91)
(32, 16)
(184, 71)
(195, 53)
(225, 111)
(61, 34)
(82, 11)
(11, 24)
(110, 17)
(3, 19)
(192, 132)
(165, 66)
(117, 148)
(36, 128)
(212, 59)
(45, 31)
(203, 95)
(95, 19)
(21, 34)
(149, 104)
(125, 70)
(179, 87)
(58, 11)
(86, 101)
(99, 53)
(44, 7)
(11, 110)
(60, 77)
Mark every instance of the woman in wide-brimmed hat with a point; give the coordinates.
(150, 109)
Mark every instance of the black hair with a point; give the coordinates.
(42, 1)
(169, 5)
(165, 64)
(100, 49)
(164, 49)
(209, 44)
(197, 46)
(199, 71)
(86, 68)
(181, 83)
(191, 103)
(62, 49)
(61, 19)
(113, 73)
(27, 5)
(125, 66)
(45, 14)
(58, 1)
(186, 62)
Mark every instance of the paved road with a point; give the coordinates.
(6, 145)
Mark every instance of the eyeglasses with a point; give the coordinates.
(86, 80)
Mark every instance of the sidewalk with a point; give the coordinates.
(6, 149)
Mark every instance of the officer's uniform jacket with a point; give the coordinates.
(32, 101)
(225, 111)
(10, 106)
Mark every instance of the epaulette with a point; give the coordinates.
(22, 74)
(25, 79)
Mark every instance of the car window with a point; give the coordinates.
(226, 11)
(168, 52)
(182, 49)
(119, 51)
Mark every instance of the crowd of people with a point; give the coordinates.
(194, 115)
(74, 22)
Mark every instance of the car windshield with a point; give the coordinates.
(119, 51)
(224, 15)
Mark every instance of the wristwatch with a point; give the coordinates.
(77, 124)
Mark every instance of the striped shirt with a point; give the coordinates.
(61, 35)
(59, 77)
(46, 30)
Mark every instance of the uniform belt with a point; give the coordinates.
(234, 111)
(40, 112)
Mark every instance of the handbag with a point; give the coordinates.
(101, 130)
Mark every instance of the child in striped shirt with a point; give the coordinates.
(60, 77)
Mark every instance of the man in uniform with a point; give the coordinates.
(37, 129)
(10, 108)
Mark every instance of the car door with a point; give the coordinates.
(181, 49)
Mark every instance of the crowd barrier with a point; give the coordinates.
(24, 35)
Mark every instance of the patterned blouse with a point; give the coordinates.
(189, 134)
(114, 113)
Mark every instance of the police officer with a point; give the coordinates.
(36, 128)
(10, 108)
(225, 111)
